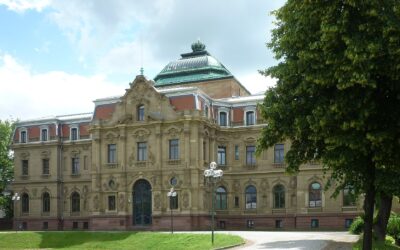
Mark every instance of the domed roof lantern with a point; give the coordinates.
(198, 46)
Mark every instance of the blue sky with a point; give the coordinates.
(57, 56)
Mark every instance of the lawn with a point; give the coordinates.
(114, 240)
(388, 245)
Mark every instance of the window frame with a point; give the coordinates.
(140, 112)
(46, 166)
(279, 153)
(74, 136)
(112, 203)
(23, 136)
(173, 149)
(250, 155)
(141, 151)
(221, 198)
(349, 199)
(252, 120)
(75, 202)
(75, 165)
(44, 136)
(25, 167)
(279, 196)
(226, 121)
(250, 197)
(25, 203)
(221, 155)
(46, 202)
(314, 195)
(111, 153)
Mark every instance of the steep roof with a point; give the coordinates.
(195, 66)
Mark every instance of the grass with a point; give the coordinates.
(114, 240)
(388, 245)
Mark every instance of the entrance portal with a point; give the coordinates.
(141, 203)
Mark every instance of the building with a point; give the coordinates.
(112, 169)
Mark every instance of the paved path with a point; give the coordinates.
(295, 240)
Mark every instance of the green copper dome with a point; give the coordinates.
(196, 66)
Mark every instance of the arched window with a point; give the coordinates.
(279, 196)
(349, 198)
(315, 195)
(75, 202)
(46, 202)
(221, 198)
(25, 203)
(251, 197)
(140, 112)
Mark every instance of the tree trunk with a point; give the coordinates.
(383, 216)
(369, 203)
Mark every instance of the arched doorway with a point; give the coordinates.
(141, 203)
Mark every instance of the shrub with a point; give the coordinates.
(357, 225)
(393, 228)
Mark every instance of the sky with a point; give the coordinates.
(57, 56)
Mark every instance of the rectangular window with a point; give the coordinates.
(236, 152)
(74, 134)
(278, 224)
(250, 118)
(25, 165)
(221, 156)
(112, 153)
(250, 223)
(204, 150)
(278, 153)
(85, 225)
(45, 166)
(174, 149)
(75, 225)
(348, 222)
(223, 119)
(45, 225)
(23, 137)
(111, 203)
(314, 223)
(142, 151)
(140, 113)
(75, 165)
(250, 155)
(236, 201)
(44, 134)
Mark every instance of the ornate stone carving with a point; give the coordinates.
(157, 201)
(45, 154)
(293, 182)
(264, 184)
(185, 200)
(122, 202)
(96, 203)
(24, 155)
(141, 134)
(236, 186)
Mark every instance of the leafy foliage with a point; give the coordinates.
(357, 225)
(6, 164)
(337, 97)
(393, 228)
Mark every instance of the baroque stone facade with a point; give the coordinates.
(112, 169)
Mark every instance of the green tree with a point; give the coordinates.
(6, 164)
(338, 92)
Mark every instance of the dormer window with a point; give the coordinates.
(43, 134)
(223, 118)
(140, 113)
(23, 136)
(74, 134)
(250, 118)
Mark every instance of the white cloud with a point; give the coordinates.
(23, 5)
(256, 83)
(25, 94)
